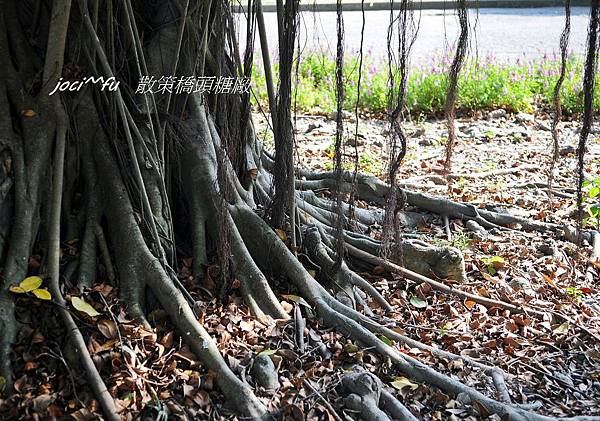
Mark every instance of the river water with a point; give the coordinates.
(501, 34)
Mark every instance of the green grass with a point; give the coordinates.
(488, 84)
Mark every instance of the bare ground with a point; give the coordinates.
(553, 362)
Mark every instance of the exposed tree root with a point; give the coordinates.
(256, 246)
(343, 277)
(200, 169)
(136, 262)
(372, 189)
(348, 321)
(256, 232)
(355, 252)
(367, 395)
(420, 257)
(30, 155)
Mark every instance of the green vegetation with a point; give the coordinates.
(592, 199)
(460, 240)
(485, 84)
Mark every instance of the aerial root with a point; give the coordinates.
(200, 169)
(254, 285)
(498, 379)
(255, 245)
(8, 328)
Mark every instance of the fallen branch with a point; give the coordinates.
(372, 189)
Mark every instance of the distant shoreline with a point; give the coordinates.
(269, 6)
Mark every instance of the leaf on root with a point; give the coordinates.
(296, 299)
(42, 294)
(30, 283)
(81, 305)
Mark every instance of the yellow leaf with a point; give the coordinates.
(402, 382)
(17, 290)
(81, 305)
(281, 234)
(42, 294)
(296, 299)
(563, 328)
(470, 304)
(28, 113)
(30, 283)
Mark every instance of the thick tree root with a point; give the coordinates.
(344, 277)
(136, 263)
(367, 395)
(135, 168)
(415, 255)
(30, 154)
(200, 167)
(8, 331)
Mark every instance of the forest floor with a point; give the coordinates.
(554, 362)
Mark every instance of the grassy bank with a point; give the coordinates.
(486, 83)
